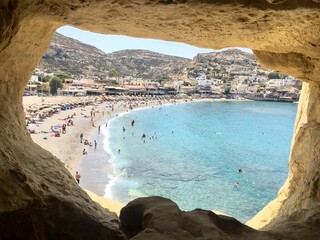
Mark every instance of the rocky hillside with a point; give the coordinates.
(232, 61)
(69, 55)
(147, 64)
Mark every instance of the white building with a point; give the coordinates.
(275, 83)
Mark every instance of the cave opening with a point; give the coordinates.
(34, 183)
(82, 69)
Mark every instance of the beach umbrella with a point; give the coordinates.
(32, 127)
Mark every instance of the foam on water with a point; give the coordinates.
(197, 154)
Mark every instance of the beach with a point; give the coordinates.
(67, 147)
(196, 150)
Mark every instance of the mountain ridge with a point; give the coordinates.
(66, 54)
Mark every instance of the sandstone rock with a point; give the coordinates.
(160, 218)
(276, 1)
(35, 185)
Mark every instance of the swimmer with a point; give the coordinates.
(84, 152)
(237, 184)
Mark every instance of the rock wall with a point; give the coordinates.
(40, 200)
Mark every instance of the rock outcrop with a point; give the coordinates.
(285, 36)
(160, 218)
(72, 56)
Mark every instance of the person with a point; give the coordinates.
(119, 151)
(240, 170)
(237, 184)
(123, 129)
(81, 137)
(84, 152)
(95, 144)
(143, 136)
(99, 129)
(132, 123)
(77, 177)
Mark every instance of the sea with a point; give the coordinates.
(226, 156)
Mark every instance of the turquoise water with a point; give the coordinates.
(197, 153)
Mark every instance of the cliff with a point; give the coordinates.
(39, 198)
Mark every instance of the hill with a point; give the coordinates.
(83, 60)
(80, 59)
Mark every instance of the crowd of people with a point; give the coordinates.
(37, 114)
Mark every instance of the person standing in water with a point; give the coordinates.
(81, 137)
(77, 177)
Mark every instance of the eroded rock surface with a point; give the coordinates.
(285, 36)
(161, 218)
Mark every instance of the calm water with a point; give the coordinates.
(195, 156)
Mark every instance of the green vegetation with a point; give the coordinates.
(113, 73)
(273, 75)
(162, 80)
(63, 76)
(227, 90)
(185, 83)
(45, 78)
(114, 83)
(55, 83)
(60, 75)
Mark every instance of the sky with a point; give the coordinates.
(112, 43)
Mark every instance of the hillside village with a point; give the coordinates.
(85, 70)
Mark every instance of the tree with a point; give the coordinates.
(63, 76)
(55, 83)
(114, 83)
(45, 78)
(227, 90)
(113, 73)
(273, 75)
(162, 80)
(185, 83)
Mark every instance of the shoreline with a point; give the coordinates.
(104, 190)
(105, 155)
(72, 156)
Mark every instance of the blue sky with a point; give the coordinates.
(112, 43)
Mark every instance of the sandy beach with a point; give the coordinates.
(67, 147)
